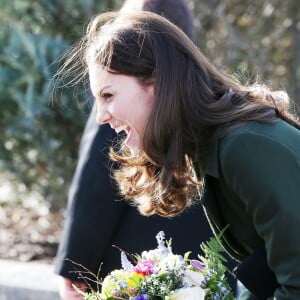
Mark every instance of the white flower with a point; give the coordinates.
(192, 278)
(156, 254)
(162, 250)
(172, 262)
(192, 293)
(126, 264)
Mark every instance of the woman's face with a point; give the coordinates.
(123, 103)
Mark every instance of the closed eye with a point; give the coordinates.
(106, 96)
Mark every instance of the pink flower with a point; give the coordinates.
(145, 267)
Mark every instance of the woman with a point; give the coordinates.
(193, 130)
(93, 198)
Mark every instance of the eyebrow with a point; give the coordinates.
(106, 86)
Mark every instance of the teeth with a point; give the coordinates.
(120, 128)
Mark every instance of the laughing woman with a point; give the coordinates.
(196, 133)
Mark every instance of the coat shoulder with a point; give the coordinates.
(253, 133)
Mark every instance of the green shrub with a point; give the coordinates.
(40, 134)
(40, 138)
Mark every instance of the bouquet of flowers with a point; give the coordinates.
(160, 274)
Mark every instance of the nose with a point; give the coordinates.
(103, 116)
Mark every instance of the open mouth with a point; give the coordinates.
(121, 128)
(126, 132)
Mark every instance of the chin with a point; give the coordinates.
(135, 150)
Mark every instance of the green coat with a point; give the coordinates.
(252, 183)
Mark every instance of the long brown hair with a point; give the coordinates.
(195, 104)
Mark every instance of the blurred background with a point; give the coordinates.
(39, 134)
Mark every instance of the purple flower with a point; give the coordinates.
(142, 297)
(197, 264)
(122, 284)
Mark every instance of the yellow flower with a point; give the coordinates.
(111, 282)
(135, 279)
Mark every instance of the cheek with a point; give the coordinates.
(98, 111)
(148, 106)
(143, 114)
(120, 111)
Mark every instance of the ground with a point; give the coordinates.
(29, 234)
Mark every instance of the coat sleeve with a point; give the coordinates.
(93, 211)
(265, 174)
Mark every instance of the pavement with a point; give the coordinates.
(27, 281)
